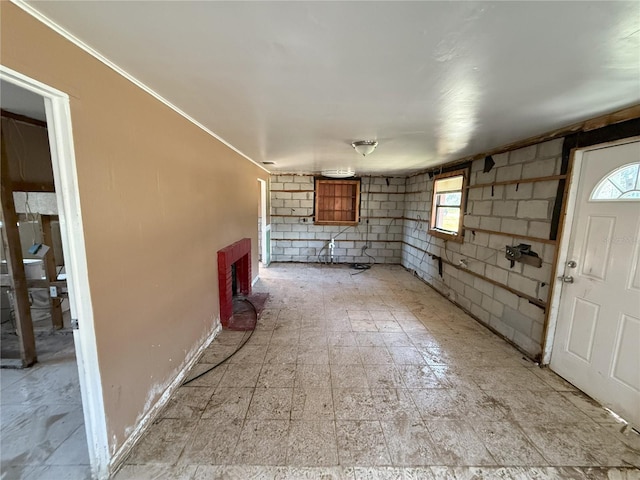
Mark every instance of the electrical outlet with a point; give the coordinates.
(53, 291)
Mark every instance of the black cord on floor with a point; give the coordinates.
(242, 344)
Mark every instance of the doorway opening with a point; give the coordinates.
(56, 421)
(595, 320)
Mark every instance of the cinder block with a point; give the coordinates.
(519, 192)
(522, 284)
(471, 221)
(473, 295)
(517, 320)
(533, 209)
(497, 274)
(506, 297)
(276, 185)
(530, 310)
(542, 274)
(493, 193)
(518, 227)
(475, 194)
(539, 168)
(303, 179)
(490, 223)
(488, 177)
(469, 250)
(545, 189)
(480, 238)
(512, 172)
(292, 186)
(483, 286)
(505, 208)
(521, 155)
(505, 264)
(480, 313)
(501, 327)
(482, 208)
(552, 148)
(539, 229)
(527, 344)
(285, 178)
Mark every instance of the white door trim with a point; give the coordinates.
(263, 220)
(63, 161)
(563, 246)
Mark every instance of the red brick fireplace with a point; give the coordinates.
(238, 253)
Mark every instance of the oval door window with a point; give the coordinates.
(621, 184)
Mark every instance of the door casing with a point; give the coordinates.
(575, 167)
(63, 161)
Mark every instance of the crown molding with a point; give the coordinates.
(98, 56)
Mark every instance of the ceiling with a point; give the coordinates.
(296, 82)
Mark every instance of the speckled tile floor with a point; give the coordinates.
(42, 434)
(375, 376)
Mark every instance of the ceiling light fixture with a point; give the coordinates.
(338, 173)
(364, 147)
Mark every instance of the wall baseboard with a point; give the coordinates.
(118, 458)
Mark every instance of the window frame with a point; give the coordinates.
(457, 236)
(318, 200)
(621, 197)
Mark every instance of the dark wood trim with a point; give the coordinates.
(512, 235)
(608, 119)
(531, 299)
(33, 187)
(15, 266)
(327, 240)
(610, 133)
(291, 191)
(22, 118)
(517, 182)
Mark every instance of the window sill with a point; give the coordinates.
(452, 237)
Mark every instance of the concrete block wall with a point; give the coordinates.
(295, 238)
(518, 209)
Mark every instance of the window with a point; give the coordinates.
(337, 202)
(621, 184)
(448, 200)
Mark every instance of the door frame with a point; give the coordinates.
(566, 224)
(265, 254)
(63, 161)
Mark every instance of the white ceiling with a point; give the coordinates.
(297, 82)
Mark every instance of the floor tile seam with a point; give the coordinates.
(473, 425)
(381, 430)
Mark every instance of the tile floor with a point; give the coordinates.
(42, 434)
(375, 376)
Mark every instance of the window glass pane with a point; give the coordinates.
(625, 178)
(449, 184)
(606, 191)
(620, 184)
(448, 218)
(450, 199)
(632, 194)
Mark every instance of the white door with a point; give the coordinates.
(597, 341)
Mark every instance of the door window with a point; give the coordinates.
(621, 184)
